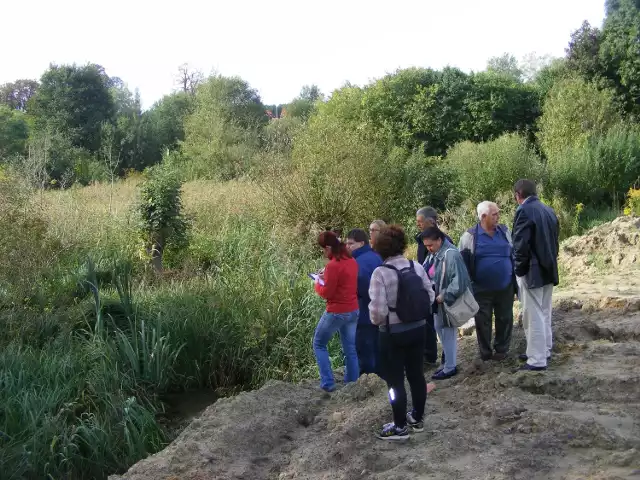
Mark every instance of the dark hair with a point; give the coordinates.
(432, 233)
(358, 235)
(525, 188)
(391, 241)
(330, 239)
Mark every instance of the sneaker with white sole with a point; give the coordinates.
(392, 433)
(413, 424)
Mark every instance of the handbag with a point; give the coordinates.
(464, 308)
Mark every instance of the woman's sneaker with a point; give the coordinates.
(393, 433)
(413, 424)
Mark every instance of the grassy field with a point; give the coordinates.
(83, 368)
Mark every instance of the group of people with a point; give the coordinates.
(389, 311)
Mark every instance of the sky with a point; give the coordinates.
(280, 45)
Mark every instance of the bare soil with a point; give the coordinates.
(578, 420)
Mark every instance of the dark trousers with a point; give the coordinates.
(500, 304)
(400, 352)
(430, 342)
(368, 348)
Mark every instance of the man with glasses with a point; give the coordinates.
(374, 230)
(366, 333)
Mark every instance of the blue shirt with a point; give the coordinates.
(493, 264)
(368, 261)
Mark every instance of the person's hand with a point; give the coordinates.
(440, 298)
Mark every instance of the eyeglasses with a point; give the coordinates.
(374, 230)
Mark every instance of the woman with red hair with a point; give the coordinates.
(338, 285)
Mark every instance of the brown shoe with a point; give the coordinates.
(499, 356)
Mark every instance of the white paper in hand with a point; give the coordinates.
(316, 278)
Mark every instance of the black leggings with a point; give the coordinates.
(399, 352)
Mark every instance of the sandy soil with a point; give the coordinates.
(578, 420)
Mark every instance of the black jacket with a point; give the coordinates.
(535, 243)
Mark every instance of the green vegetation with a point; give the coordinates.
(155, 252)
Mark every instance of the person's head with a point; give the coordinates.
(374, 229)
(332, 246)
(357, 238)
(488, 215)
(391, 241)
(433, 238)
(523, 189)
(426, 217)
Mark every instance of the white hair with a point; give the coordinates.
(484, 208)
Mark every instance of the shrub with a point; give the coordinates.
(162, 224)
(573, 111)
(633, 202)
(485, 170)
(599, 171)
(338, 178)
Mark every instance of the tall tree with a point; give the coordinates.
(14, 132)
(506, 64)
(582, 53)
(74, 100)
(188, 78)
(16, 94)
(620, 50)
(310, 93)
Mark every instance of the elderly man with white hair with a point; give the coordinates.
(487, 250)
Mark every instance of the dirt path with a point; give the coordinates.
(578, 420)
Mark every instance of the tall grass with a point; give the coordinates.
(80, 380)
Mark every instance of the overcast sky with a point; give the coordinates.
(279, 45)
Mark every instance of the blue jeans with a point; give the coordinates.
(345, 324)
(367, 347)
(449, 338)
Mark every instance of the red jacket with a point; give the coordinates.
(340, 288)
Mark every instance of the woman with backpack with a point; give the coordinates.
(451, 280)
(338, 285)
(401, 297)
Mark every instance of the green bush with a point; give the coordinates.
(600, 171)
(162, 223)
(486, 170)
(573, 111)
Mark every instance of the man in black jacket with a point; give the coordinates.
(535, 252)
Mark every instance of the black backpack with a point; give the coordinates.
(413, 303)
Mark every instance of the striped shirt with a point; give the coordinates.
(383, 291)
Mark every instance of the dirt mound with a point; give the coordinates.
(614, 244)
(580, 419)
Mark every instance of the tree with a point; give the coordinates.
(74, 100)
(574, 111)
(582, 53)
(620, 51)
(222, 134)
(310, 93)
(189, 78)
(14, 132)
(16, 94)
(506, 64)
(163, 126)
(532, 64)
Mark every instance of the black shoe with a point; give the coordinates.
(498, 357)
(440, 375)
(530, 368)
